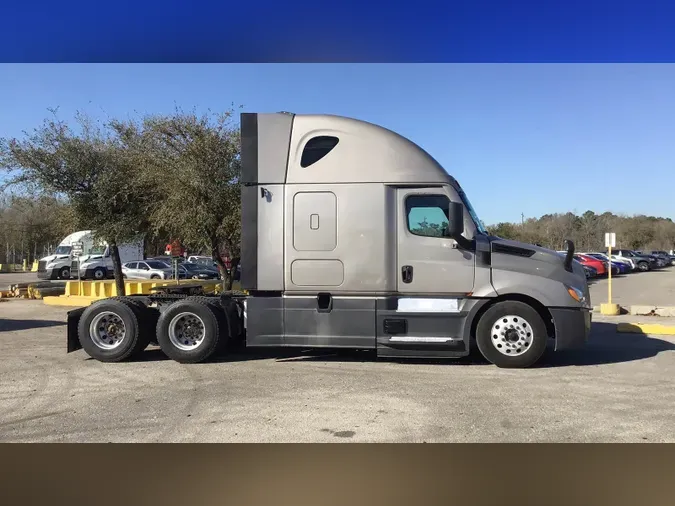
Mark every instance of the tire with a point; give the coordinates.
(520, 317)
(205, 319)
(64, 273)
(111, 312)
(155, 276)
(643, 266)
(228, 310)
(99, 273)
(148, 317)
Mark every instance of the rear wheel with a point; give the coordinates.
(511, 334)
(192, 330)
(110, 330)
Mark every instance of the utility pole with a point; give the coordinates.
(522, 218)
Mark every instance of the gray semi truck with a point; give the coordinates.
(355, 237)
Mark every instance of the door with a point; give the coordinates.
(130, 269)
(429, 315)
(428, 261)
(143, 270)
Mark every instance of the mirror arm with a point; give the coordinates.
(465, 244)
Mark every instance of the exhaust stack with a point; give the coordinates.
(569, 246)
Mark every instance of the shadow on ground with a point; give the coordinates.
(7, 325)
(605, 346)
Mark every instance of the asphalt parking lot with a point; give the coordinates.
(654, 288)
(618, 389)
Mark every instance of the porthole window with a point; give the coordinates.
(316, 148)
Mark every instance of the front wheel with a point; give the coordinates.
(511, 334)
(643, 266)
(99, 273)
(64, 273)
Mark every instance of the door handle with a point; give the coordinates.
(407, 273)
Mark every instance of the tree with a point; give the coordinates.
(90, 168)
(194, 163)
(587, 231)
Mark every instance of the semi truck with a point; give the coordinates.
(353, 236)
(94, 261)
(58, 265)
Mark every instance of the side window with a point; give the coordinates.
(316, 148)
(427, 215)
(132, 265)
(143, 266)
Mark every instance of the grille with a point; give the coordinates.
(73, 266)
(42, 266)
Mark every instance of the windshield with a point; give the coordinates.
(472, 212)
(63, 250)
(97, 250)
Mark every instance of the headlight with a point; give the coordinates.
(576, 294)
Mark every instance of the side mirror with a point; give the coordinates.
(456, 220)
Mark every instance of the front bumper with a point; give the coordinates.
(572, 327)
(48, 274)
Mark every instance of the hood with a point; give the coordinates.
(90, 258)
(50, 258)
(536, 260)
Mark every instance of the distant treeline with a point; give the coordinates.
(588, 231)
(32, 226)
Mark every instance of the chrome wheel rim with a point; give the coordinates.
(512, 335)
(107, 330)
(187, 331)
(98, 274)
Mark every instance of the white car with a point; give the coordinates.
(147, 269)
(202, 260)
(621, 260)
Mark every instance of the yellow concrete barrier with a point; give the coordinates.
(646, 328)
(83, 293)
(10, 267)
(34, 267)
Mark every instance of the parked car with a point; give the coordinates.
(590, 272)
(617, 267)
(189, 270)
(630, 265)
(203, 260)
(147, 269)
(598, 265)
(644, 263)
(667, 258)
(660, 261)
(167, 259)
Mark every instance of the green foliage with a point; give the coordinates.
(91, 168)
(193, 162)
(430, 229)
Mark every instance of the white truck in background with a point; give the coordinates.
(94, 262)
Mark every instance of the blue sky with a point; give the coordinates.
(532, 139)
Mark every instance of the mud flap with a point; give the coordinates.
(73, 321)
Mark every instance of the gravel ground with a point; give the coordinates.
(618, 389)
